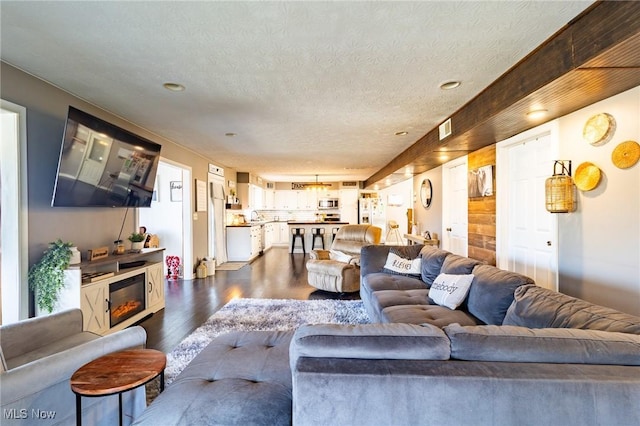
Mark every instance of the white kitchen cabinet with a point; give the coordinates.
(269, 199)
(286, 200)
(307, 200)
(243, 242)
(269, 234)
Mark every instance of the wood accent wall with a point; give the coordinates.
(482, 211)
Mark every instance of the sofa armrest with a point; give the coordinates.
(23, 382)
(369, 341)
(319, 254)
(25, 336)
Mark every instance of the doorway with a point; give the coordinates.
(526, 234)
(169, 216)
(14, 295)
(455, 206)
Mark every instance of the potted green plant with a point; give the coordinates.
(46, 278)
(137, 240)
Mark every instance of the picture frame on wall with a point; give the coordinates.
(480, 182)
(175, 187)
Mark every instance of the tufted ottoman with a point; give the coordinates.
(239, 378)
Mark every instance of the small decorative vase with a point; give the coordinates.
(75, 256)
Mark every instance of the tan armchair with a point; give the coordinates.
(338, 269)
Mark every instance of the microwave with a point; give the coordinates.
(327, 203)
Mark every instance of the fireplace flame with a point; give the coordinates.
(125, 308)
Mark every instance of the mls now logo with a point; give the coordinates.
(23, 413)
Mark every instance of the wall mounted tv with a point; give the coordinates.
(103, 165)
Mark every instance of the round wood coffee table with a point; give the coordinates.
(116, 373)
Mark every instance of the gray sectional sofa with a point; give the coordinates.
(39, 355)
(510, 353)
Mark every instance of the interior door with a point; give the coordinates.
(455, 218)
(528, 233)
(95, 159)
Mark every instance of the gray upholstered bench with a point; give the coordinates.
(239, 378)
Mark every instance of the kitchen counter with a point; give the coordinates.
(327, 222)
(308, 235)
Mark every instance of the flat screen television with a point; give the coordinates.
(103, 165)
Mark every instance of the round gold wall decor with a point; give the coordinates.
(626, 154)
(599, 129)
(587, 176)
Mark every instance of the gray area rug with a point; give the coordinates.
(262, 314)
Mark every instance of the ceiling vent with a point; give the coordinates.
(350, 184)
(444, 129)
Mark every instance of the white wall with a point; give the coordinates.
(599, 244)
(429, 219)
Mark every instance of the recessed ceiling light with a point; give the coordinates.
(448, 85)
(231, 134)
(402, 133)
(537, 114)
(174, 87)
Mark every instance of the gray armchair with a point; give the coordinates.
(338, 269)
(39, 355)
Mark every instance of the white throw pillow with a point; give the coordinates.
(450, 290)
(403, 266)
(340, 256)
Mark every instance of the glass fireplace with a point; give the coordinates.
(126, 298)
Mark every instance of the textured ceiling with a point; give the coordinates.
(307, 87)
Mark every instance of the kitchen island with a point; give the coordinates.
(328, 227)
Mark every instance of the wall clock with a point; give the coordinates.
(426, 190)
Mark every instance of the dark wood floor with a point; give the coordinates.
(275, 275)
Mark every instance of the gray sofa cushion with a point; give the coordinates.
(385, 298)
(458, 265)
(369, 341)
(550, 345)
(432, 260)
(426, 314)
(240, 378)
(537, 307)
(491, 292)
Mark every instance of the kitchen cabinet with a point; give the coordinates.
(251, 196)
(281, 231)
(307, 200)
(269, 234)
(244, 243)
(286, 200)
(269, 199)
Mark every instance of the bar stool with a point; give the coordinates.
(295, 233)
(334, 232)
(317, 233)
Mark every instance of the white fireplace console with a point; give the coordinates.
(94, 296)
